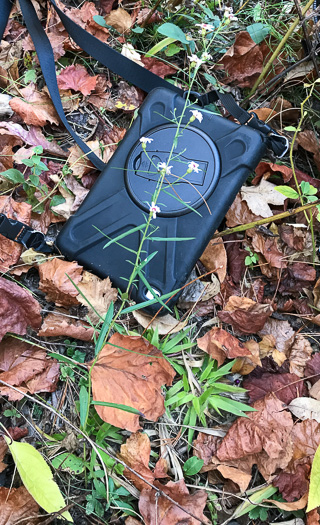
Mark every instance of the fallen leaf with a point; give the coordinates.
(79, 163)
(289, 507)
(129, 52)
(305, 408)
(315, 390)
(56, 325)
(221, 345)
(158, 67)
(313, 517)
(300, 353)
(246, 316)
(77, 78)
(312, 369)
(285, 386)
(240, 213)
(100, 95)
(165, 324)
(74, 195)
(55, 282)
(130, 520)
(259, 197)
(269, 247)
(18, 309)
(10, 251)
(293, 485)
(131, 375)
(158, 510)
(15, 505)
(26, 367)
(242, 479)
(236, 256)
(245, 365)
(98, 292)
(264, 114)
(214, 258)
(281, 331)
(308, 141)
(32, 137)
(136, 454)
(119, 19)
(266, 169)
(7, 143)
(128, 98)
(34, 108)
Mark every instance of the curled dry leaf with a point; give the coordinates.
(10, 251)
(55, 282)
(245, 365)
(300, 353)
(136, 454)
(264, 114)
(78, 162)
(285, 386)
(308, 140)
(119, 19)
(74, 195)
(259, 197)
(282, 332)
(165, 324)
(221, 345)
(214, 258)
(99, 293)
(18, 309)
(7, 143)
(266, 169)
(15, 505)
(269, 247)
(32, 137)
(246, 316)
(240, 213)
(34, 108)
(56, 325)
(130, 371)
(27, 368)
(158, 510)
(77, 78)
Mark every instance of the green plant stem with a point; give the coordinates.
(279, 48)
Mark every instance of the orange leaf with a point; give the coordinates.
(34, 108)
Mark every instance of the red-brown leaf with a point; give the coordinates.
(246, 316)
(10, 251)
(16, 505)
(55, 283)
(220, 345)
(56, 325)
(285, 386)
(76, 77)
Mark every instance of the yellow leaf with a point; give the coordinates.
(314, 489)
(37, 477)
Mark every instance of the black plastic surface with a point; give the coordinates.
(120, 199)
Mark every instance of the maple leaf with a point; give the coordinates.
(214, 258)
(55, 283)
(259, 197)
(245, 315)
(158, 510)
(34, 108)
(130, 371)
(99, 293)
(18, 309)
(220, 345)
(136, 454)
(285, 386)
(27, 367)
(76, 77)
(57, 324)
(10, 251)
(15, 505)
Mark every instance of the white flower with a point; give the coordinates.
(205, 57)
(196, 115)
(193, 166)
(154, 210)
(205, 27)
(228, 13)
(145, 140)
(195, 60)
(163, 166)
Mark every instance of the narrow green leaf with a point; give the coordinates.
(37, 477)
(171, 239)
(159, 46)
(84, 400)
(255, 499)
(125, 408)
(125, 234)
(104, 328)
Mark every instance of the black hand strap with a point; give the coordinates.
(23, 234)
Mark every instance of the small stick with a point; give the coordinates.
(146, 20)
(307, 38)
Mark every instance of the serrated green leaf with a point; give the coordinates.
(314, 488)
(288, 192)
(192, 466)
(37, 477)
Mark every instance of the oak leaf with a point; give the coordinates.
(98, 292)
(130, 371)
(136, 454)
(34, 108)
(15, 505)
(55, 283)
(158, 510)
(57, 324)
(214, 258)
(10, 251)
(18, 309)
(259, 197)
(245, 315)
(77, 78)
(221, 345)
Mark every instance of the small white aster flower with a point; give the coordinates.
(195, 60)
(145, 140)
(163, 166)
(205, 57)
(154, 210)
(193, 166)
(205, 27)
(196, 115)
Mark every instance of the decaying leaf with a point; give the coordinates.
(99, 294)
(7, 143)
(245, 315)
(119, 19)
(269, 248)
(55, 325)
(165, 324)
(77, 78)
(136, 454)
(158, 67)
(305, 408)
(221, 345)
(282, 332)
(26, 367)
(307, 139)
(300, 353)
(16, 505)
(55, 282)
(74, 194)
(157, 510)
(10, 251)
(245, 365)
(130, 371)
(34, 107)
(240, 213)
(285, 386)
(18, 309)
(259, 197)
(214, 258)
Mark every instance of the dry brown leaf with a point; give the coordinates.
(131, 375)
(34, 108)
(236, 475)
(77, 78)
(56, 325)
(239, 213)
(285, 386)
(259, 197)
(266, 169)
(165, 324)
(7, 142)
(31, 137)
(158, 510)
(158, 67)
(78, 162)
(136, 454)
(315, 390)
(99, 293)
(130, 520)
(282, 332)
(55, 282)
(119, 19)
(290, 507)
(16, 505)
(10, 251)
(27, 368)
(18, 309)
(264, 114)
(246, 316)
(161, 469)
(300, 353)
(128, 99)
(215, 258)
(221, 345)
(245, 365)
(308, 140)
(269, 247)
(74, 195)
(313, 517)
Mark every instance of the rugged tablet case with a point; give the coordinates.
(120, 199)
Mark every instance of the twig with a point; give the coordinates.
(307, 38)
(146, 20)
(244, 227)
(283, 73)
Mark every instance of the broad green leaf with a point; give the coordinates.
(288, 192)
(174, 32)
(254, 500)
(14, 176)
(37, 477)
(160, 46)
(192, 466)
(68, 462)
(100, 20)
(258, 32)
(172, 49)
(314, 488)
(56, 200)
